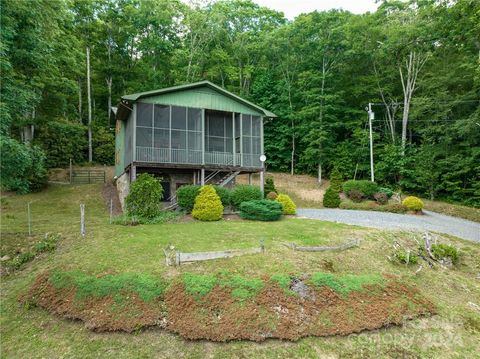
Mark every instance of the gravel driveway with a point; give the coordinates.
(431, 221)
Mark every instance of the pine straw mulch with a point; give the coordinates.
(218, 316)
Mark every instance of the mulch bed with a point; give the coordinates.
(218, 316)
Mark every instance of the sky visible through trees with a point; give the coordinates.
(417, 61)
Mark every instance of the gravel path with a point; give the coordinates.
(431, 221)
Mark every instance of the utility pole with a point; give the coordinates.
(371, 116)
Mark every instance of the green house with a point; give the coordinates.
(196, 133)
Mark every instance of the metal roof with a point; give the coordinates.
(137, 96)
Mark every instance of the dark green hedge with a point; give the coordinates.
(261, 210)
(244, 193)
(368, 188)
(186, 196)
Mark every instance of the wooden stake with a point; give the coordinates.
(82, 220)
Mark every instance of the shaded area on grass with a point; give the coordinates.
(227, 306)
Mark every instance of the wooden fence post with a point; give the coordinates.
(111, 210)
(29, 216)
(82, 220)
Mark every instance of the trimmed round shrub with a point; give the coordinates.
(413, 203)
(272, 196)
(368, 188)
(144, 197)
(224, 194)
(269, 186)
(355, 195)
(261, 210)
(288, 205)
(381, 197)
(331, 199)
(208, 206)
(186, 196)
(244, 193)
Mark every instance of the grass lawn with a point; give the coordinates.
(32, 332)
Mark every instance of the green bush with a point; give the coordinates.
(331, 198)
(208, 206)
(224, 194)
(103, 146)
(386, 190)
(244, 193)
(445, 251)
(261, 210)
(288, 205)
(368, 188)
(373, 206)
(336, 179)
(269, 186)
(186, 196)
(144, 197)
(22, 166)
(402, 256)
(413, 203)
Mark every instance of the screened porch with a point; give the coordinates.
(194, 136)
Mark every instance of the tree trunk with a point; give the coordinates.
(90, 149)
(79, 100)
(109, 88)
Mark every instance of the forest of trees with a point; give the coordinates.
(417, 61)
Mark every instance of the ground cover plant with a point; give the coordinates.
(228, 306)
(29, 331)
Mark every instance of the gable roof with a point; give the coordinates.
(137, 96)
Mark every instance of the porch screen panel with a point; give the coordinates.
(251, 140)
(194, 135)
(218, 132)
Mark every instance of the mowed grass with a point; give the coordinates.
(32, 332)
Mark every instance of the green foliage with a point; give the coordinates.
(288, 205)
(413, 203)
(119, 286)
(261, 210)
(22, 166)
(269, 186)
(381, 197)
(186, 196)
(144, 197)
(48, 244)
(224, 194)
(283, 281)
(345, 284)
(368, 188)
(208, 206)
(244, 193)
(126, 219)
(63, 140)
(373, 206)
(445, 251)
(404, 257)
(386, 190)
(331, 198)
(103, 146)
(198, 285)
(336, 179)
(242, 288)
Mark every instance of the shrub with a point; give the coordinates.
(331, 199)
(272, 196)
(22, 166)
(445, 251)
(413, 203)
(402, 256)
(355, 195)
(244, 193)
(144, 198)
(386, 190)
(208, 206)
(261, 210)
(288, 205)
(368, 188)
(373, 206)
(336, 179)
(186, 196)
(269, 185)
(381, 197)
(224, 194)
